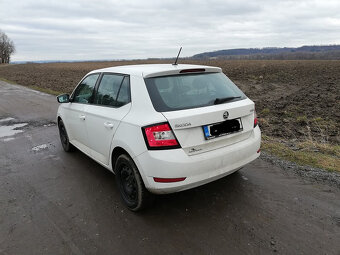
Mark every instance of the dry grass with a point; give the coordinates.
(8, 81)
(325, 156)
(48, 91)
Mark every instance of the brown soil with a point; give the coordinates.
(294, 99)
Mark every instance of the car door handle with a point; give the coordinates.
(82, 117)
(108, 124)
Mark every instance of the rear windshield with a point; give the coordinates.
(178, 92)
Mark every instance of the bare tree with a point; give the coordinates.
(7, 48)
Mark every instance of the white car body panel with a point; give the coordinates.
(198, 159)
(103, 122)
(76, 125)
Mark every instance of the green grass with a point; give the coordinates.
(321, 155)
(265, 111)
(302, 119)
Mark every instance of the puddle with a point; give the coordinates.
(6, 119)
(40, 147)
(49, 125)
(8, 139)
(43, 147)
(11, 129)
(244, 178)
(51, 157)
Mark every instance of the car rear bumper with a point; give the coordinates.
(198, 169)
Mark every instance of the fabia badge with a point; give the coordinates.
(225, 115)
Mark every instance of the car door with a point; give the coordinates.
(74, 116)
(111, 103)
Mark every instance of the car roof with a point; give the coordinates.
(153, 70)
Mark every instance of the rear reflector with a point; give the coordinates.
(255, 118)
(258, 151)
(197, 70)
(255, 121)
(156, 179)
(160, 136)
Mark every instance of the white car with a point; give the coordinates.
(160, 128)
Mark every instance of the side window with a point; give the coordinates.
(124, 92)
(84, 91)
(109, 88)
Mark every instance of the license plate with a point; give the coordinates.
(223, 128)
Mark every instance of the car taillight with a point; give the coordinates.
(160, 136)
(255, 118)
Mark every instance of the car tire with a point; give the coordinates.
(130, 184)
(67, 146)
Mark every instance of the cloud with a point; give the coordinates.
(109, 29)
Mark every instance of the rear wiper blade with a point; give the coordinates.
(224, 99)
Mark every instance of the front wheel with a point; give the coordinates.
(67, 146)
(130, 184)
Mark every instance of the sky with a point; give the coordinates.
(110, 29)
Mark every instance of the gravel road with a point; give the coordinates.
(53, 202)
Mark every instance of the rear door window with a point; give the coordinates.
(178, 92)
(124, 92)
(113, 90)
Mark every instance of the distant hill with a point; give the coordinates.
(304, 52)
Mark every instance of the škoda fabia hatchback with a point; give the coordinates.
(160, 128)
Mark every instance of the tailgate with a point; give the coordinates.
(188, 125)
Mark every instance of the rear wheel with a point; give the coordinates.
(64, 137)
(130, 184)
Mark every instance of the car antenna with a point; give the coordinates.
(175, 64)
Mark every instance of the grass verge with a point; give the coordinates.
(8, 81)
(45, 90)
(325, 156)
(48, 91)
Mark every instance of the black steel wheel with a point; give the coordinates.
(130, 184)
(64, 137)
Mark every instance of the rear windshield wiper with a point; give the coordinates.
(224, 99)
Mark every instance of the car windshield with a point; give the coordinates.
(178, 92)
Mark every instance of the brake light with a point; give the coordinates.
(160, 136)
(255, 118)
(197, 70)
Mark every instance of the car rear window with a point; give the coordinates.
(187, 91)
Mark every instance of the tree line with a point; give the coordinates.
(304, 52)
(7, 48)
(327, 55)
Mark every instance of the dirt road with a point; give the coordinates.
(52, 202)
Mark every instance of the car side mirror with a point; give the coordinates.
(64, 98)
